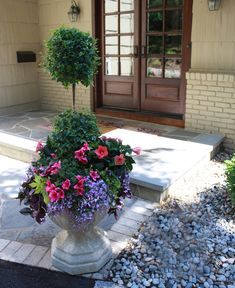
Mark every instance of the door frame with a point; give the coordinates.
(96, 92)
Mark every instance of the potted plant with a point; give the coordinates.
(79, 177)
(71, 58)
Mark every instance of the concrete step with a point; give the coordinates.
(16, 147)
(164, 164)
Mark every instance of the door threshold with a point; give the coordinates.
(143, 117)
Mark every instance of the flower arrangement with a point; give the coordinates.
(78, 172)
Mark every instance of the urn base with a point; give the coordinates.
(81, 252)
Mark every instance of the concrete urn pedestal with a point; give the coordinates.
(80, 250)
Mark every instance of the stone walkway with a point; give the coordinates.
(36, 125)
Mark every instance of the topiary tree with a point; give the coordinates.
(71, 57)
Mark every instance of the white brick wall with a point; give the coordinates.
(210, 104)
(53, 96)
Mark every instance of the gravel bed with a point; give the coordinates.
(188, 242)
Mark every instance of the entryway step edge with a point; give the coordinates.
(159, 193)
(18, 148)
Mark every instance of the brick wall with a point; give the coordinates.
(210, 104)
(55, 97)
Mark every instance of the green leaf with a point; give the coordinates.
(39, 186)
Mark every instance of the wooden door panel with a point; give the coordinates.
(118, 88)
(120, 60)
(165, 57)
(163, 93)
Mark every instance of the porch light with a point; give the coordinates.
(74, 11)
(214, 4)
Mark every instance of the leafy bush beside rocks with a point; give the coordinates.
(230, 175)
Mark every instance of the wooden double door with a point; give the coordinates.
(146, 51)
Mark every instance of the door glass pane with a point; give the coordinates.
(174, 3)
(155, 21)
(126, 5)
(155, 3)
(127, 66)
(111, 6)
(111, 24)
(155, 44)
(154, 67)
(127, 44)
(173, 44)
(127, 23)
(111, 45)
(173, 68)
(111, 66)
(173, 20)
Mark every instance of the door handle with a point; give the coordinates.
(136, 51)
(143, 51)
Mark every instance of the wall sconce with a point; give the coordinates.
(74, 11)
(214, 5)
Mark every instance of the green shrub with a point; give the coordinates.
(71, 57)
(71, 130)
(230, 175)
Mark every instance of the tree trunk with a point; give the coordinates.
(73, 88)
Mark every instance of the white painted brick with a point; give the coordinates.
(206, 103)
(134, 216)
(199, 97)
(225, 84)
(202, 87)
(3, 243)
(206, 113)
(36, 255)
(118, 237)
(129, 222)
(194, 82)
(9, 250)
(46, 261)
(128, 231)
(222, 105)
(215, 109)
(215, 88)
(22, 253)
(209, 83)
(199, 107)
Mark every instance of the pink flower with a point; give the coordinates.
(53, 155)
(94, 175)
(49, 186)
(60, 193)
(79, 189)
(54, 196)
(39, 147)
(80, 179)
(79, 153)
(119, 159)
(137, 150)
(101, 151)
(54, 168)
(66, 184)
(85, 147)
(80, 156)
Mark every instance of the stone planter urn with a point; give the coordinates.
(80, 250)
